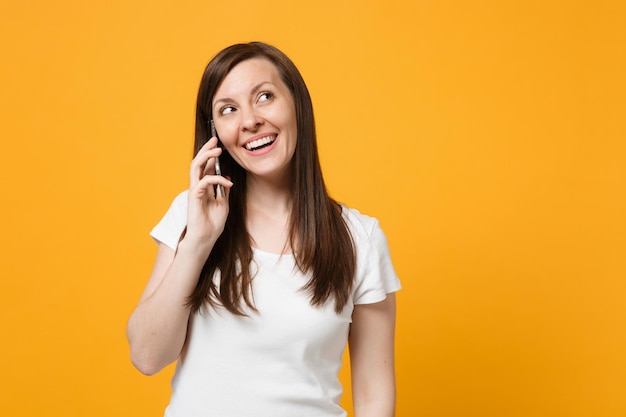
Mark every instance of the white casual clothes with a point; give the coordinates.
(284, 359)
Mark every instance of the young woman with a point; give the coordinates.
(261, 278)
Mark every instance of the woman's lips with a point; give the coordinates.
(256, 144)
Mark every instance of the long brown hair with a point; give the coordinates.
(317, 229)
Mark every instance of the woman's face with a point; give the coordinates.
(255, 118)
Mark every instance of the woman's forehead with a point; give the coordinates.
(247, 76)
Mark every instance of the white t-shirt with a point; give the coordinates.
(284, 359)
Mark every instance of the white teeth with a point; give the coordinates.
(259, 142)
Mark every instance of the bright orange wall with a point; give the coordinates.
(487, 136)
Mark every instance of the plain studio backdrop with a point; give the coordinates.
(487, 136)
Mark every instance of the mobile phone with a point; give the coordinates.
(218, 170)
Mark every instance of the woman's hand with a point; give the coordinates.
(207, 209)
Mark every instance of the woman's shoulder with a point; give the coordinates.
(179, 205)
(360, 225)
(169, 229)
(181, 199)
(375, 276)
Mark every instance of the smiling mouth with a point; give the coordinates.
(261, 143)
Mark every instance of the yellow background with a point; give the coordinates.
(487, 137)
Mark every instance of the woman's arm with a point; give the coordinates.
(371, 344)
(157, 328)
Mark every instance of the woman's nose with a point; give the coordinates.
(251, 120)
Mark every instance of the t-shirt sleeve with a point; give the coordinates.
(376, 276)
(171, 226)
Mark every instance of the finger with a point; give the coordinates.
(227, 189)
(209, 168)
(207, 187)
(201, 163)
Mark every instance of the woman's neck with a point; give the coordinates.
(268, 214)
(270, 195)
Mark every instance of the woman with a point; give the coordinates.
(257, 286)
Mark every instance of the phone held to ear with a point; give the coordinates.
(218, 170)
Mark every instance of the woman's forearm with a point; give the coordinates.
(157, 328)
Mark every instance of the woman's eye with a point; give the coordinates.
(227, 110)
(265, 96)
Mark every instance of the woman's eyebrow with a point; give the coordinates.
(254, 90)
(259, 86)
